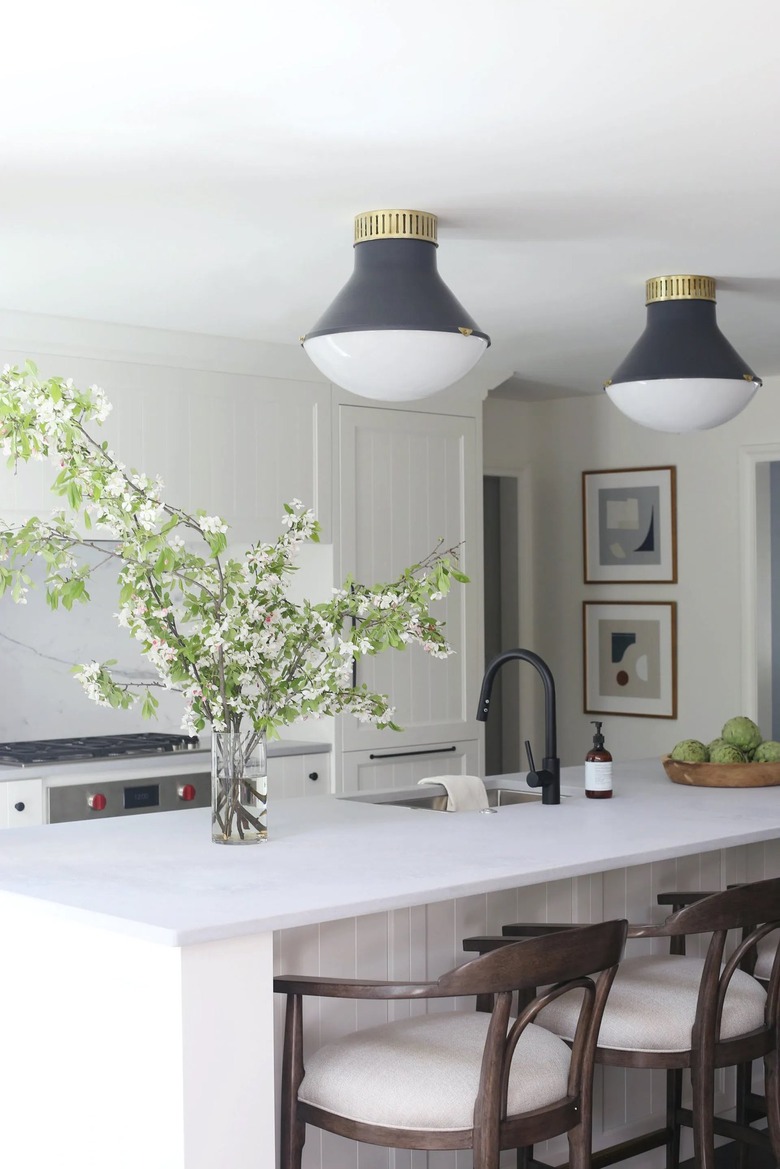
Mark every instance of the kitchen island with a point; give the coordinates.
(138, 957)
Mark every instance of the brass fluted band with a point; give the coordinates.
(395, 224)
(679, 288)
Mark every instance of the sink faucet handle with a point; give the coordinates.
(530, 756)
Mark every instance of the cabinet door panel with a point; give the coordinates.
(298, 775)
(376, 770)
(407, 483)
(21, 803)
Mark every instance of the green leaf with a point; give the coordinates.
(149, 705)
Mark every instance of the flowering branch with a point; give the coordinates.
(221, 631)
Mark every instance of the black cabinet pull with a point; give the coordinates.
(314, 775)
(19, 807)
(403, 754)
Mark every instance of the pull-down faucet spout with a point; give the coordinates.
(549, 778)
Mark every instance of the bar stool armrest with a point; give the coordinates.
(536, 929)
(352, 988)
(647, 931)
(679, 898)
(488, 943)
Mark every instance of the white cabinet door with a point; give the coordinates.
(408, 481)
(374, 770)
(298, 775)
(21, 803)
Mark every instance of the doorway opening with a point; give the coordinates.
(767, 642)
(502, 618)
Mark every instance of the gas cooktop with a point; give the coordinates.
(35, 752)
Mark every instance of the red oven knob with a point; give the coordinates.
(97, 802)
(187, 792)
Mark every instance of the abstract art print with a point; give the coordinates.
(630, 658)
(629, 526)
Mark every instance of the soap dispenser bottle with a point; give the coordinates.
(598, 768)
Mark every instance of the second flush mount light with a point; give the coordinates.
(395, 332)
(682, 374)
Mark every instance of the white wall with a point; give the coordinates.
(232, 426)
(553, 443)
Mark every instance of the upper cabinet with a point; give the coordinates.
(407, 481)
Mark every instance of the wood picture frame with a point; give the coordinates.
(629, 526)
(630, 658)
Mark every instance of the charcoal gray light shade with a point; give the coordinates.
(395, 331)
(682, 374)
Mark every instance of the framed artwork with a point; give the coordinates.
(630, 658)
(629, 526)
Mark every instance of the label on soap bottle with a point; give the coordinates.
(598, 776)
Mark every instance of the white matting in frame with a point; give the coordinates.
(629, 526)
(630, 658)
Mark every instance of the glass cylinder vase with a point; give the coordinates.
(239, 787)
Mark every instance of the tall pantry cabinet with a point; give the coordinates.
(406, 482)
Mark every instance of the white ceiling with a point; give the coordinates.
(196, 165)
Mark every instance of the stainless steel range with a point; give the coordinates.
(52, 781)
(35, 752)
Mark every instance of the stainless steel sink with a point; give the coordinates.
(498, 797)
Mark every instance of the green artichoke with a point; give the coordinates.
(727, 753)
(690, 751)
(768, 752)
(742, 733)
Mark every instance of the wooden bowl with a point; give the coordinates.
(722, 774)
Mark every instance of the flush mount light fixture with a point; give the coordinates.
(395, 331)
(682, 374)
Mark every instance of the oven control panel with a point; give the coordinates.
(105, 798)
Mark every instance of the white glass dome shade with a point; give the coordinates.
(682, 374)
(395, 332)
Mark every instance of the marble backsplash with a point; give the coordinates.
(39, 697)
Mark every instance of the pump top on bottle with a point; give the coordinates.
(598, 768)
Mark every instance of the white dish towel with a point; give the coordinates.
(465, 793)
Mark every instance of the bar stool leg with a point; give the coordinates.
(703, 1084)
(772, 1093)
(674, 1078)
(743, 1112)
(525, 1157)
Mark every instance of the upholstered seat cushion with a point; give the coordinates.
(424, 1072)
(765, 956)
(652, 1006)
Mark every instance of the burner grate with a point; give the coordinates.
(78, 750)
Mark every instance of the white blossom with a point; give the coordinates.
(211, 525)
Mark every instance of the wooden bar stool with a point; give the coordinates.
(671, 1011)
(460, 1079)
(750, 1105)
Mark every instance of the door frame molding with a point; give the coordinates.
(529, 689)
(754, 557)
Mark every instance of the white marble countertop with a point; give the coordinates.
(159, 877)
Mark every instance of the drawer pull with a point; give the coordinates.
(403, 754)
(314, 775)
(19, 807)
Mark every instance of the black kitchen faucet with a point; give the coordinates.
(549, 778)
